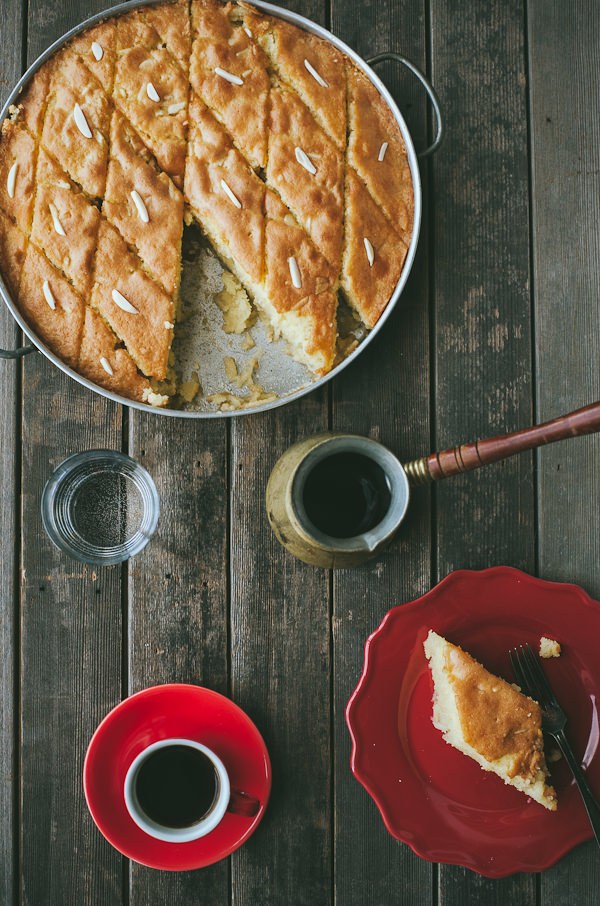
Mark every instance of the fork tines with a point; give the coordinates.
(531, 677)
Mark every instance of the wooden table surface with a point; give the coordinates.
(497, 328)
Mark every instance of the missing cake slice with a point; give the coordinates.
(488, 719)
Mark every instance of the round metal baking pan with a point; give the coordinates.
(277, 372)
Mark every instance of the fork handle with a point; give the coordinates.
(589, 800)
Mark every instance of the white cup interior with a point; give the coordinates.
(200, 828)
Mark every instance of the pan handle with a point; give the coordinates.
(471, 456)
(16, 353)
(398, 58)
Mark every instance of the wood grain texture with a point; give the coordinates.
(280, 638)
(71, 621)
(481, 334)
(280, 661)
(384, 395)
(481, 266)
(565, 134)
(11, 32)
(178, 614)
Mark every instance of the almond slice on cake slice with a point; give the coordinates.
(151, 90)
(77, 121)
(312, 67)
(307, 170)
(137, 309)
(299, 294)
(65, 224)
(18, 152)
(225, 195)
(51, 306)
(228, 70)
(488, 719)
(144, 204)
(103, 361)
(373, 253)
(96, 47)
(376, 151)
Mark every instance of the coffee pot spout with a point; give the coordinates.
(371, 541)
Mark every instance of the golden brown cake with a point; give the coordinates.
(488, 719)
(266, 136)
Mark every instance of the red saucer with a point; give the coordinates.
(430, 795)
(160, 712)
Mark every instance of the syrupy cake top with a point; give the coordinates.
(269, 137)
(496, 719)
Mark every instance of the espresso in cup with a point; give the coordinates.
(177, 790)
(346, 494)
(176, 786)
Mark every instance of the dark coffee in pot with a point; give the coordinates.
(346, 494)
(176, 786)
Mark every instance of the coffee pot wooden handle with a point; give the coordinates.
(471, 456)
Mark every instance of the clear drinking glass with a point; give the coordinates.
(100, 507)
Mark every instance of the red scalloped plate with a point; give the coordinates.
(430, 795)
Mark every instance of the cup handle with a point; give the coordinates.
(241, 803)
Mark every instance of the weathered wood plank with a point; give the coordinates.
(384, 395)
(11, 43)
(177, 625)
(565, 134)
(482, 312)
(280, 626)
(71, 622)
(280, 664)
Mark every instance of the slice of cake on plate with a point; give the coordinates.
(488, 719)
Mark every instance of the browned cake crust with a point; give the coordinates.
(373, 253)
(212, 160)
(377, 152)
(315, 194)
(103, 362)
(96, 47)
(18, 152)
(172, 22)
(228, 70)
(281, 150)
(42, 286)
(76, 124)
(65, 224)
(312, 67)
(151, 90)
(152, 223)
(13, 245)
(484, 700)
(147, 331)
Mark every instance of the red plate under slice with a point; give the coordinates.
(161, 712)
(430, 795)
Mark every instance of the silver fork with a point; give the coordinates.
(533, 682)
